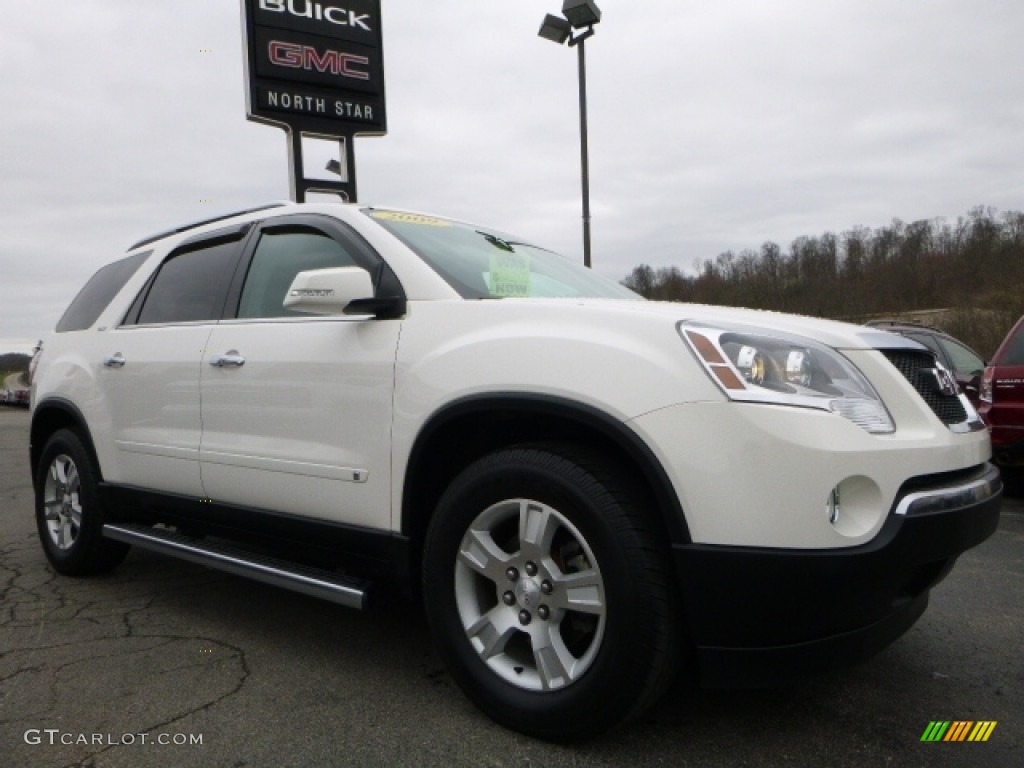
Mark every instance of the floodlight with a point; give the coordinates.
(581, 13)
(555, 29)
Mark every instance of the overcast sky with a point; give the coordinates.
(714, 126)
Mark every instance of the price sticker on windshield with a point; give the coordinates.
(509, 274)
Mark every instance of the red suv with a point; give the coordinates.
(1002, 399)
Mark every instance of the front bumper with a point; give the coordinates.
(761, 616)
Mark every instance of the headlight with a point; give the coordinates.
(985, 391)
(751, 366)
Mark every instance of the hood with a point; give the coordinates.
(835, 334)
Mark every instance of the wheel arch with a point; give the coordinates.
(51, 415)
(469, 428)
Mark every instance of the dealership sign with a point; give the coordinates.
(316, 68)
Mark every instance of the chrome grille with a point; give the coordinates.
(913, 365)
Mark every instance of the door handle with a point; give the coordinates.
(230, 360)
(116, 360)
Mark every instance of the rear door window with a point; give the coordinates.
(191, 285)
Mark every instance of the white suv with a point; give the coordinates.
(587, 491)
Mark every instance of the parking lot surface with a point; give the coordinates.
(135, 668)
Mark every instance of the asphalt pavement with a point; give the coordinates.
(165, 663)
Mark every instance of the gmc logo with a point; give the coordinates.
(307, 10)
(309, 58)
(943, 381)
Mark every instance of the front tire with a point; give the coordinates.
(69, 517)
(547, 593)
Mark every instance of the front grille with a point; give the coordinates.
(913, 365)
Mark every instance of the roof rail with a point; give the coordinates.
(881, 323)
(196, 224)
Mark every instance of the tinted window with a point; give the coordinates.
(279, 257)
(98, 292)
(190, 286)
(928, 341)
(1014, 354)
(965, 362)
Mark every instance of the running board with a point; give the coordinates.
(344, 590)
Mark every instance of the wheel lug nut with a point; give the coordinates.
(513, 574)
(546, 588)
(531, 569)
(508, 598)
(543, 612)
(525, 618)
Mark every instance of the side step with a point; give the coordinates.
(344, 590)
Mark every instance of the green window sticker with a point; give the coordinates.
(509, 274)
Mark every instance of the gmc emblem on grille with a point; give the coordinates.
(943, 381)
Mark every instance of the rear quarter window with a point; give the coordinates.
(102, 287)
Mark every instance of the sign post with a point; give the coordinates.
(316, 69)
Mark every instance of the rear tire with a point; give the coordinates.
(548, 595)
(69, 517)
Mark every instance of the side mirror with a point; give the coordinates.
(328, 291)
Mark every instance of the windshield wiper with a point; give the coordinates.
(497, 242)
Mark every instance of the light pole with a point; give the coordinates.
(577, 14)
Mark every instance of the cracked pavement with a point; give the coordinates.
(271, 678)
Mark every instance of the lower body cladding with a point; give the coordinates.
(762, 616)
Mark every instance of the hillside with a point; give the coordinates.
(14, 361)
(973, 269)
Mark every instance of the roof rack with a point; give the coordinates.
(196, 224)
(899, 321)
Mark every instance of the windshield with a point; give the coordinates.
(483, 264)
